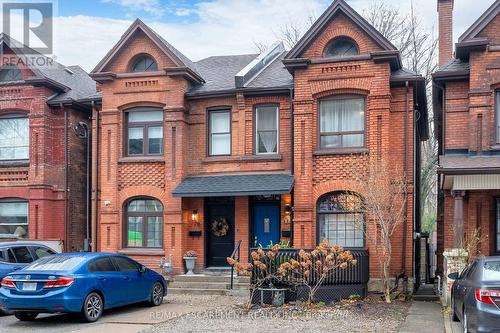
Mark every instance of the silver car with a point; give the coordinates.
(475, 295)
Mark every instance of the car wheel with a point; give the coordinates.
(92, 308)
(25, 316)
(454, 316)
(157, 293)
(465, 322)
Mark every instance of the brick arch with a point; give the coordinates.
(332, 91)
(332, 186)
(136, 104)
(141, 191)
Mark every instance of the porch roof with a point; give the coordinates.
(463, 173)
(234, 185)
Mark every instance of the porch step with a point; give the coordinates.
(220, 292)
(209, 285)
(211, 278)
(217, 271)
(425, 293)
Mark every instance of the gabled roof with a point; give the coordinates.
(177, 57)
(338, 6)
(481, 23)
(70, 82)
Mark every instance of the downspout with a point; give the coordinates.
(66, 161)
(292, 155)
(93, 240)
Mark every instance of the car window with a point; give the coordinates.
(491, 271)
(42, 252)
(56, 263)
(22, 254)
(102, 265)
(10, 256)
(3, 255)
(125, 264)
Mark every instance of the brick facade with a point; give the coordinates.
(316, 172)
(465, 104)
(53, 213)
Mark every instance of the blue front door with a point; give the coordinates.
(266, 225)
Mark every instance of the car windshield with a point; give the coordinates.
(492, 271)
(56, 263)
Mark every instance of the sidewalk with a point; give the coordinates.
(424, 316)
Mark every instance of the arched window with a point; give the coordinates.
(144, 223)
(340, 219)
(10, 73)
(144, 63)
(342, 47)
(13, 218)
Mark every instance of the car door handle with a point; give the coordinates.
(101, 278)
(126, 278)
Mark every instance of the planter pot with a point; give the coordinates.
(190, 261)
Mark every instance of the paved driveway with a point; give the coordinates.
(130, 319)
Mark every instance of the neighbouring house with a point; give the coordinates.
(42, 159)
(466, 98)
(253, 147)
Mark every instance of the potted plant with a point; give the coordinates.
(190, 259)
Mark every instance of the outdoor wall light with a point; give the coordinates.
(288, 209)
(194, 216)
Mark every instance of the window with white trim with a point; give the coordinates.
(14, 137)
(219, 132)
(266, 129)
(13, 218)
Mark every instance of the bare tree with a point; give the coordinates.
(381, 194)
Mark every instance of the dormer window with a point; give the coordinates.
(10, 73)
(341, 47)
(144, 63)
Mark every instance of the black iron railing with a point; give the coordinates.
(353, 275)
(236, 256)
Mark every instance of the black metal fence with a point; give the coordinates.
(339, 283)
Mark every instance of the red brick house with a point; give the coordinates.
(467, 107)
(42, 161)
(251, 148)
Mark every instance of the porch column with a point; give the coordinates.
(458, 219)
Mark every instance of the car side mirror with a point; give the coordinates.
(142, 269)
(454, 276)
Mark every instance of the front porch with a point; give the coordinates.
(221, 211)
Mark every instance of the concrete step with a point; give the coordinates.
(208, 285)
(220, 292)
(210, 278)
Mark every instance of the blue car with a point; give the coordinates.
(85, 283)
(17, 255)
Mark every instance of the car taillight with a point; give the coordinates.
(60, 282)
(8, 283)
(486, 295)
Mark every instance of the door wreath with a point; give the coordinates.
(220, 227)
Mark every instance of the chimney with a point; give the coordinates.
(445, 11)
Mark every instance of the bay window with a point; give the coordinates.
(14, 137)
(342, 122)
(266, 129)
(219, 132)
(13, 218)
(144, 132)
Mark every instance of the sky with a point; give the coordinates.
(85, 30)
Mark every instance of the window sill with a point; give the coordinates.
(495, 147)
(220, 159)
(346, 151)
(142, 252)
(14, 163)
(262, 158)
(142, 159)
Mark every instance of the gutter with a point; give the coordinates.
(66, 162)
(93, 228)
